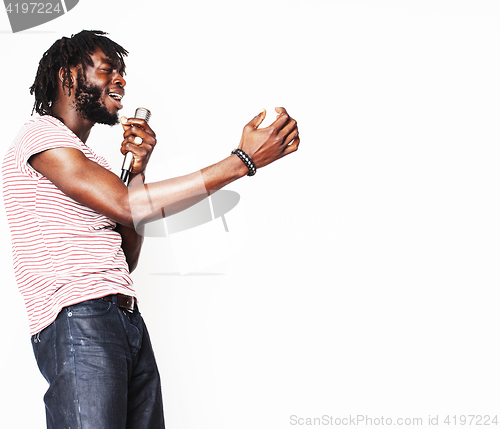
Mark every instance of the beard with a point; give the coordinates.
(90, 105)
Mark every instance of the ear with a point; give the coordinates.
(73, 77)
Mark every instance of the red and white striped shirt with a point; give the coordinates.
(63, 251)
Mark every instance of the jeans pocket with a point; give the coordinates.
(90, 308)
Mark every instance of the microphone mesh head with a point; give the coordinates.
(143, 113)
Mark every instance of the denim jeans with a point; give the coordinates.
(101, 370)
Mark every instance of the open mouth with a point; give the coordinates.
(117, 98)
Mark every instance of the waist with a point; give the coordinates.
(123, 301)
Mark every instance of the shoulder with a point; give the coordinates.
(48, 127)
(46, 132)
(39, 135)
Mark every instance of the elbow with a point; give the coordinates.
(125, 218)
(132, 265)
(124, 215)
(133, 210)
(127, 221)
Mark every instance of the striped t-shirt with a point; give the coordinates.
(63, 251)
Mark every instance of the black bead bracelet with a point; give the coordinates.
(252, 169)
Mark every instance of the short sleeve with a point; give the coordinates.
(41, 135)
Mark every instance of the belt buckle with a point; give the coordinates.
(129, 302)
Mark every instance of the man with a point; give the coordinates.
(74, 243)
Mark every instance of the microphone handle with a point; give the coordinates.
(140, 113)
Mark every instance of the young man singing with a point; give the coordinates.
(74, 243)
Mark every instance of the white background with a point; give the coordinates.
(364, 272)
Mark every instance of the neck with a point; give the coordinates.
(73, 120)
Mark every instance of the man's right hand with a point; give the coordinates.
(266, 145)
(134, 129)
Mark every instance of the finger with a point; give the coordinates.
(125, 125)
(289, 128)
(138, 151)
(139, 159)
(292, 147)
(291, 137)
(132, 141)
(137, 141)
(280, 121)
(280, 111)
(141, 123)
(138, 135)
(124, 122)
(257, 120)
(136, 124)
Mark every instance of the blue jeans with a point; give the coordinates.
(101, 369)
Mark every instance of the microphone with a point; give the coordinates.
(140, 113)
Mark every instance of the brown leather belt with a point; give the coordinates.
(123, 301)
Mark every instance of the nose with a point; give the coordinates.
(119, 80)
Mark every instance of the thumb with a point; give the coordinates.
(123, 121)
(255, 122)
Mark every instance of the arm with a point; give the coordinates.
(131, 245)
(103, 191)
(264, 146)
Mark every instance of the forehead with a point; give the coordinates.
(99, 57)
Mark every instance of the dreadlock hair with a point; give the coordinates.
(66, 53)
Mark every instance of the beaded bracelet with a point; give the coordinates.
(252, 169)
